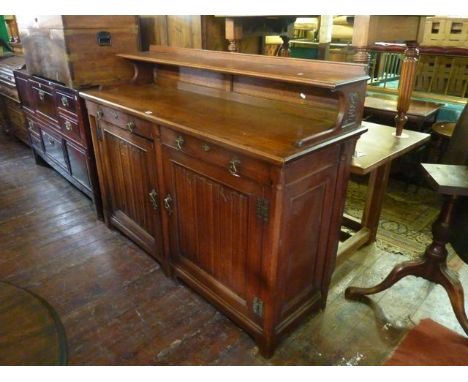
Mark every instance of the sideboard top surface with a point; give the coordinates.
(322, 74)
(268, 133)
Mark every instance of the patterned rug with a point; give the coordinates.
(406, 219)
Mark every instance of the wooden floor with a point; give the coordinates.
(119, 309)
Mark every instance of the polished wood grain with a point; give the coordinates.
(264, 132)
(104, 287)
(331, 75)
(31, 333)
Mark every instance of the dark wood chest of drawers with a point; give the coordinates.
(58, 130)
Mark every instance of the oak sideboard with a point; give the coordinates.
(231, 170)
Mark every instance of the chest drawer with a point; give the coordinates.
(235, 164)
(53, 148)
(66, 102)
(70, 127)
(125, 121)
(43, 100)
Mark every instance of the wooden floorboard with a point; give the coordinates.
(118, 308)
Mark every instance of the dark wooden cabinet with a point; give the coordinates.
(249, 158)
(58, 130)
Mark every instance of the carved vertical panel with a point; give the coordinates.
(213, 227)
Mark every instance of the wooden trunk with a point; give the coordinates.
(231, 170)
(79, 51)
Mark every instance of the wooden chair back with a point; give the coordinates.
(457, 150)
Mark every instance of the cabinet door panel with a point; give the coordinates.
(130, 175)
(215, 232)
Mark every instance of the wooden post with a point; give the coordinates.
(284, 50)
(360, 39)
(233, 34)
(407, 77)
(325, 36)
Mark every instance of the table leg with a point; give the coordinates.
(378, 182)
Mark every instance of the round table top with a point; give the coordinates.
(31, 333)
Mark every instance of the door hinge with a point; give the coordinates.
(257, 306)
(98, 132)
(263, 209)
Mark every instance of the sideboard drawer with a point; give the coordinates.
(127, 122)
(236, 165)
(53, 148)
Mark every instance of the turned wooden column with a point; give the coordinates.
(407, 77)
(233, 33)
(360, 39)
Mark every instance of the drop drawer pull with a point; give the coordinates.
(68, 126)
(153, 195)
(233, 167)
(64, 101)
(41, 95)
(130, 126)
(179, 142)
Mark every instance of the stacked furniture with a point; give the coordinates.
(64, 54)
(231, 170)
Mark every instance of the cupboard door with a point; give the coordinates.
(130, 173)
(215, 233)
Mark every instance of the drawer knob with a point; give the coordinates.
(234, 167)
(68, 126)
(64, 101)
(51, 142)
(179, 142)
(153, 195)
(130, 126)
(205, 147)
(168, 204)
(41, 95)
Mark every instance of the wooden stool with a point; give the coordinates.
(452, 181)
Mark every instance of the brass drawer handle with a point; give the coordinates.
(153, 195)
(68, 126)
(179, 142)
(41, 95)
(130, 126)
(64, 101)
(30, 124)
(233, 167)
(99, 113)
(168, 204)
